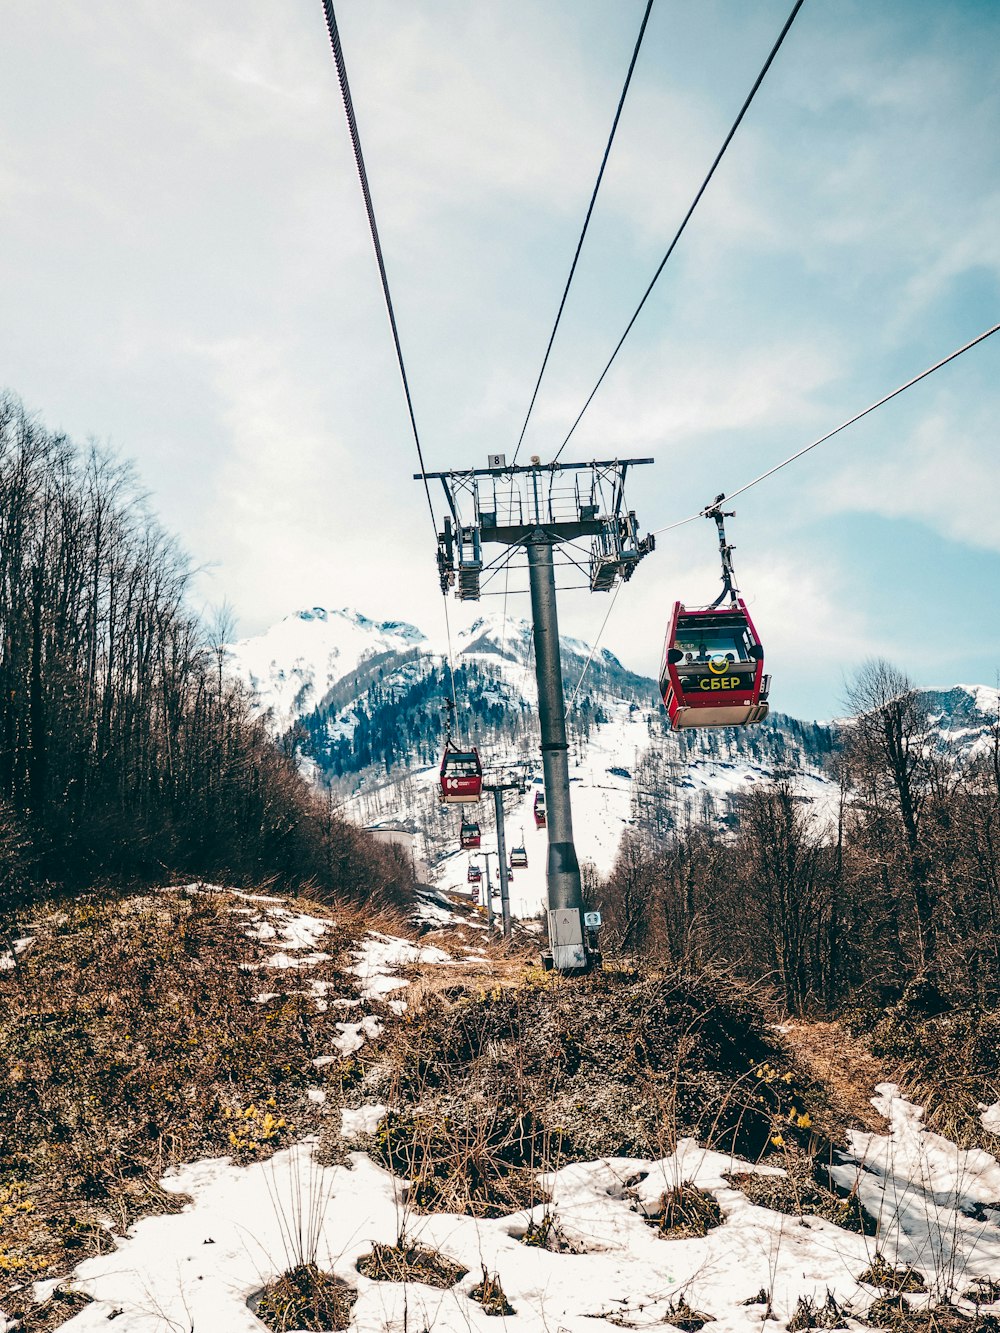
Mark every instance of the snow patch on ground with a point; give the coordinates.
(199, 1267)
(9, 957)
(354, 1035)
(927, 1194)
(294, 932)
(377, 957)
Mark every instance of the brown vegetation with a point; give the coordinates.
(903, 884)
(132, 1037)
(305, 1298)
(491, 1296)
(124, 747)
(409, 1262)
(487, 1090)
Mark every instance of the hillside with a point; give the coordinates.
(316, 1118)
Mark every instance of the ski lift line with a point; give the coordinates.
(687, 217)
(593, 650)
(586, 224)
(702, 513)
(731, 495)
(359, 158)
(451, 656)
(352, 125)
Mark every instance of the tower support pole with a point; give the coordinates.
(489, 896)
(502, 861)
(565, 893)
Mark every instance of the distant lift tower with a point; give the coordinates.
(540, 508)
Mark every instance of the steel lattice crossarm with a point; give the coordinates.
(546, 503)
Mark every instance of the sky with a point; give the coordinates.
(186, 277)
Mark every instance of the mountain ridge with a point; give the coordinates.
(364, 703)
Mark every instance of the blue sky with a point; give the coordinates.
(185, 274)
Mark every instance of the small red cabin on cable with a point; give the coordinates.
(470, 837)
(461, 776)
(474, 875)
(713, 668)
(518, 858)
(539, 809)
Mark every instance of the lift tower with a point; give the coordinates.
(546, 511)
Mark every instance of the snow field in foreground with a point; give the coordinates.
(198, 1268)
(935, 1203)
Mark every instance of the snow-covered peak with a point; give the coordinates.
(507, 637)
(292, 665)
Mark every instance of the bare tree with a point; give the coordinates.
(890, 764)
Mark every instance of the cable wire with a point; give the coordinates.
(586, 222)
(359, 158)
(593, 650)
(687, 217)
(784, 463)
(572, 271)
(731, 495)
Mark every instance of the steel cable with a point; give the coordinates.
(669, 527)
(687, 217)
(359, 158)
(586, 222)
(731, 495)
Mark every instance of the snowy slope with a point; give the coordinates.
(624, 763)
(292, 665)
(200, 1268)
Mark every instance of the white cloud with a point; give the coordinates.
(944, 471)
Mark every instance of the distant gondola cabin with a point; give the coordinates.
(461, 777)
(470, 837)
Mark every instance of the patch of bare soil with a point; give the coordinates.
(847, 1071)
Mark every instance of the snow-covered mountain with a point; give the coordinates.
(366, 701)
(292, 665)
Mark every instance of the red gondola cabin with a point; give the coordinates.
(713, 668)
(461, 777)
(474, 875)
(539, 809)
(470, 837)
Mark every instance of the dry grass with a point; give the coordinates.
(799, 1194)
(305, 1298)
(680, 1315)
(491, 1084)
(131, 1038)
(685, 1211)
(846, 1069)
(947, 1062)
(809, 1313)
(881, 1273)
(896, 1314)
(409, 1262)
(984, 1291)
(491, 1296)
